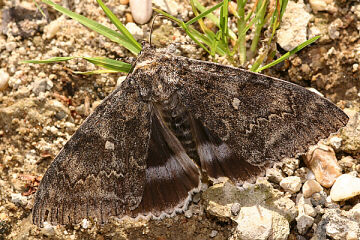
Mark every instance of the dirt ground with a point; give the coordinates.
(43, 105)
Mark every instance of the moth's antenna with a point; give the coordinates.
(152, 27)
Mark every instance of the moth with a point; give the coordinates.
(173, 123)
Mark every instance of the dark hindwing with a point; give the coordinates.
(100, 172)
(245, 122)
(171, 176)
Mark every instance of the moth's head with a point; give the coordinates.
(153, 73)
(151, 57)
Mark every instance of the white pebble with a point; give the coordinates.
(141, 10)
(345, 187)
(335, 142)
(52, 28)
(291, 184)
(18, 198)
(84, 223)
(134, 30)
(120, 80)
(213, 233)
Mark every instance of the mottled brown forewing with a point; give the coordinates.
(144, 149)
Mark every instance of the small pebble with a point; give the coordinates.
(17, 198)
(345, 187)
(303, 223)
(291, 184)
(84, 223)
(310, 175)
(53, 27)
(48, 229)
(352, 236)
(335, 142)
(274, 175)
(4, 79)
(213, 233)
(310, 187)
(188, 213)
(41, 85)
(235, 209)
(322, 161)
(347, 163)
(10, 46)
(129, 17)
(323, 5)
(134, 30)
(355, 67)
(120, 80)
(196, 198)
(124, 2)
(318, 199)
(141, 10)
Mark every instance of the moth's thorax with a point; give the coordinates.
(155, 75)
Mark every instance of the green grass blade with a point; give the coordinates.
(207, 39)
(99, 71)
(196, 36)
(109, 64)
(212, 17)
(50, 60)
(119, 25)
(260, 21)
(97, 27)
(179, 22)
(241, 24)
(283, 7)
(203, 14)
(288, 54)
(223, 24)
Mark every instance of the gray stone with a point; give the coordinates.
(350, 134)
(41, 85)
(293, 29)
(224, 199)
(303, 223)
(337, 225)
(196, 198)
(318, 199)
(235, 209)
(220, 197)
